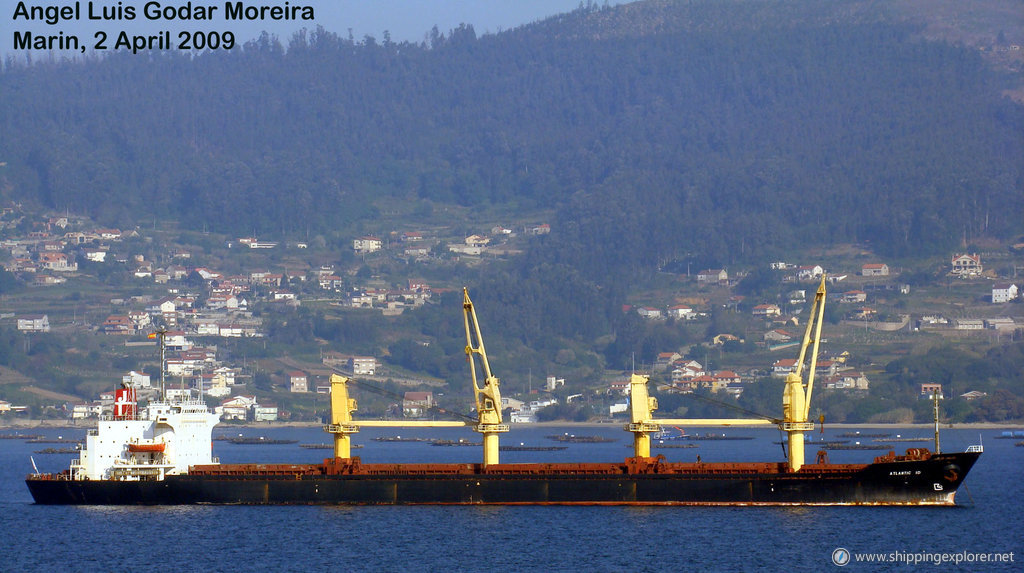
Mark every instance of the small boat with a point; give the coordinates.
(142, 447)
(532, 448)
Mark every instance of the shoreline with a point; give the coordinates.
(22, 423)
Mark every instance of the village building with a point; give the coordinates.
(767, 310)
(809, 272)
(34, 323)
(362, 365)
(966, 265)
(928, 391)
(1004, 292)
(874, 270)
(713, 276)
(264, 412)
(649, 312)
(118, 324)
(136, 379)
(237, 408)
(417, 404)
(367, 244)
(298, 381)
(783, 367)
(854, 296)
(681, 311)
(58, 262)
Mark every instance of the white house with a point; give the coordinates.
(1004, 292)
(966, 265)
(237, 408)
(649, 313)
(136, 379)
(681, 311)
(362, 365)
(367, 244)
(809, 272)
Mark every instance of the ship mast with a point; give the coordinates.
(161, 333)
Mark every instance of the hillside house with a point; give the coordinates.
(713, 276)
(928, 391)
(767, 310)
(619, 388)
(854, 296)
(809, 272)
(966, 265)
(298, 381)
(665, 359)
(477, 241)
(367, 244)
(681, 311)
(264, 412)
(969, 324)
(783, 367)
(1001, 323)
(237, 408)
(778, 335)
(874, 270)
(417, 404)
(135, 379)
(1004, 292)
(58, 262)
(118, 324)
(34, 323)
(649, 312)
(362, 365)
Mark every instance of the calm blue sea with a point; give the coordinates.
(593, 539)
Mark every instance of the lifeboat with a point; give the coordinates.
(146, 448)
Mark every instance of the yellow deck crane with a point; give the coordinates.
(796, 397)
(488, 402)
(795, 400)
(488, 398)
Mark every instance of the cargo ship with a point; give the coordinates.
(162, 454)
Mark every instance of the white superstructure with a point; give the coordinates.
(165, 438)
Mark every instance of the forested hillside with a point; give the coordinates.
(721, 130)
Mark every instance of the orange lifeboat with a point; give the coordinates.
(146, 448)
